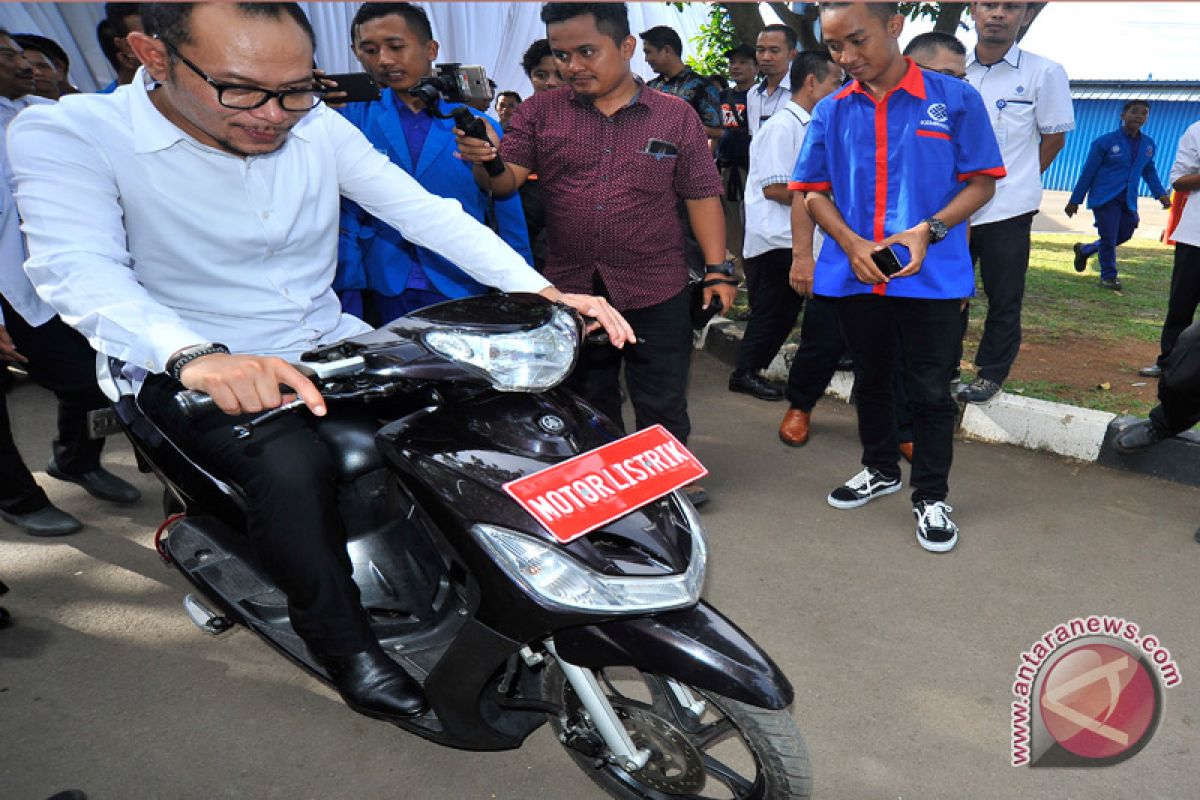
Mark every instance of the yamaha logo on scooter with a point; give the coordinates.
(552, 424)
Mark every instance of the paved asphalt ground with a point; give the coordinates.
(902, 660)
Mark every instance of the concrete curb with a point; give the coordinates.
(1041, 425)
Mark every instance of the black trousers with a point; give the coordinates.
(1002, 250)
(61, 360)
(286, 471)
(1184, 297)
(821, 347)
(1179, 388)
(774, 308)
(19, 493)
(656, 369)
(930, 343)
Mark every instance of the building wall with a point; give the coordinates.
(1093, 118)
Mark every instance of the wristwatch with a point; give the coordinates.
(937, 230)
(725, 268)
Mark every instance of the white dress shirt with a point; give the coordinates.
(761, 106)
(1026, 96)
(14, 284)
(147, 241)
(773, 154)
(1187, 162)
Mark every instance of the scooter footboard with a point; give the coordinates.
(698, 646)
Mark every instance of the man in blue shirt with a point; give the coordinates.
(1115, 164)
(897, 160)
(381, 275)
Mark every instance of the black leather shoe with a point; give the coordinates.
(375, 685)
(48, 521)
(1139, 436)
(98, 483)
(979, 390)
(756, 385)
(1080, 259)
(1111, 283)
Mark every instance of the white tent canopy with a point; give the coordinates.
(491, 34)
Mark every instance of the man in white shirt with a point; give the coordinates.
(774, 51)
(1185, 277)
(189, 228)
(54, 355)
(769, 240)
(1028, 98)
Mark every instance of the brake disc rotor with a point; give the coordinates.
(675, 765)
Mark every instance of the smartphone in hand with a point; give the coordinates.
(888, 261)
(357, 86)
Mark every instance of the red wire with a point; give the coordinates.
(158, 534)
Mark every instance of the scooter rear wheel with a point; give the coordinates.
(731, 750)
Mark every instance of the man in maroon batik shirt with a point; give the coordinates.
(613, 158)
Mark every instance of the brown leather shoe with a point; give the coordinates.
(793, 431)
(906, 451)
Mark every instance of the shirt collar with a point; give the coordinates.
(1012, 58)
(799, 111)
(152, 131)
(785, 85)
(913, 82)
(639, 97)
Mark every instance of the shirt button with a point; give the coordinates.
(266, 215)
(286, 293)
(599, 206)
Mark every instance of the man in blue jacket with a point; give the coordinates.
(1115, 163)
(380, 274)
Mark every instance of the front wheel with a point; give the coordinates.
(716, 749)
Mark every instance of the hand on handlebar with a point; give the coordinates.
(618, 329)
(241, 384)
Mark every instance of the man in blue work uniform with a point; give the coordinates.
(1116, 163)
(381, 275)
(898, 158)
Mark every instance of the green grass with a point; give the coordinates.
(1063, 306)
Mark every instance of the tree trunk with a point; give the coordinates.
(746, 21)
(948, 17)
(802, 24)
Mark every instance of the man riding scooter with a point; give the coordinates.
(187, 225)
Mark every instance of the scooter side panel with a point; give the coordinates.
(698, 646)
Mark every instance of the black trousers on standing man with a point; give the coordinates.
(1002, 251)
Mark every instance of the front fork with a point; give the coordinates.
(602, 715)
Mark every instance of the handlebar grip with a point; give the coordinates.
(476, 128)
(193, 403)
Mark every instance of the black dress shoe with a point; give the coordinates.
(98, 483)
(48, 521)
(755, 385)
(979, 390)
(375, 685)
(1080, 259)
(1139, 436)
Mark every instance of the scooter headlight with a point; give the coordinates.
(551, 575)
(529, 361)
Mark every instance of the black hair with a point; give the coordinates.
(47, 47)
(171, 22)
(884, 11)
(935, 40)
(612, 19)
(811, 62)
(1136, 102)
(413, 15)
(787, 32)
(509, 93)
(104, 36)
(534, 55)
(117, 13)
(741, 51)
(661, 36)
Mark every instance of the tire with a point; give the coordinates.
(770, 745)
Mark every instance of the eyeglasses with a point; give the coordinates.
(244, 98)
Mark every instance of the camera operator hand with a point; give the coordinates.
(242, 384)
(8, 350)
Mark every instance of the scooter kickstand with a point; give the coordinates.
(205, 619)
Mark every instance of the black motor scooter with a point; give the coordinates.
(652, 691)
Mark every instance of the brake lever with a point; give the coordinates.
(246, 429)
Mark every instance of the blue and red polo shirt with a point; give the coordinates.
(891, 164)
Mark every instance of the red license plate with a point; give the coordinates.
(590, 490)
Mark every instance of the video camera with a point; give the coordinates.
(456, 83)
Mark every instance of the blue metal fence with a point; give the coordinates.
(1094, 117)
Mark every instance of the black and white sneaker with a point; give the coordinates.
(862, 489)
(936, 532)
